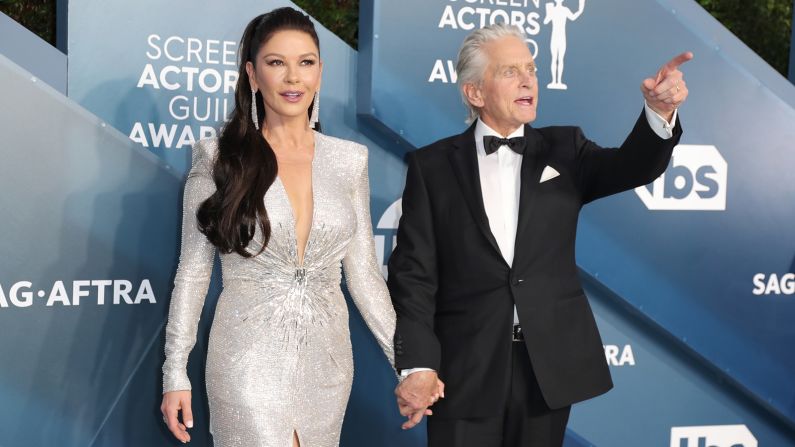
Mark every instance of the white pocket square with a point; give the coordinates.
(548, 174)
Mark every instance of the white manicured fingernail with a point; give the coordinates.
(189, 424)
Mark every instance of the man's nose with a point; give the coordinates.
(526, 79)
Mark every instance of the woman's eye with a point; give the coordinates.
(274, 62)
(307, 62)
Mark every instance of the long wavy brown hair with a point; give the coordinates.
(246, 164)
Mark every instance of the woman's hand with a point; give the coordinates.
(173, 403)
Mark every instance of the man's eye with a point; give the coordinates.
(509, 72)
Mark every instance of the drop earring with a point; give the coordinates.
(315, 111)
(254, 115)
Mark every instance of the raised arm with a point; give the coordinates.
(645, 153)
(642, 157)
(577, 14)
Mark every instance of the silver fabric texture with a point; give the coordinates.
(279, 357)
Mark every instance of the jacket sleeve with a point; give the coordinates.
(413, 277)
(642, 157)
(193, 272)
(362, 270)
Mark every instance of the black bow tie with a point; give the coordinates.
(492, 143)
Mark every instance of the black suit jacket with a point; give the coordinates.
(454, 293)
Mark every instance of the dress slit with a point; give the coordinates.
(294, 437)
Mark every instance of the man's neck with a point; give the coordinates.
(503, 131)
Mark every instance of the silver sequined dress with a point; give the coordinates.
(279, 357)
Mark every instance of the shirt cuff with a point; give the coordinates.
(407, 372)
(662, 128)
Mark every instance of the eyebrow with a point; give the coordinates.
(517, 64)
(285, 57)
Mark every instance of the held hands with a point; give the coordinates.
(416, 393)
(173, 402)
(665, 92)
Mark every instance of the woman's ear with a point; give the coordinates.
(320, 80)
(252, 80)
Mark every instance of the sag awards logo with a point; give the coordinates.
(525, 15)
(60, 293)
(695, 180)
(774, 284)
(200, 75)
(619, 355)
(713, 436)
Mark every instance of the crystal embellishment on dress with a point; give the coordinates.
(300, 275)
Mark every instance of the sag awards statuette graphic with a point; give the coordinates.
(559, 15)
(525, 15)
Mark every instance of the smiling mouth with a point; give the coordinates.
(292, 96)
(525, 101)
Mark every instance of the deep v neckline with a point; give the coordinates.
(300, 253)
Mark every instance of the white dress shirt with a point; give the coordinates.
(500, 179)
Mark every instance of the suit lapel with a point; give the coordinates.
(464, 160)
(533, 163)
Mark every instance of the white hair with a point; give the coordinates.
(472, 60)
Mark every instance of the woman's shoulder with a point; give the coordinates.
(206, 148)
(338, 145)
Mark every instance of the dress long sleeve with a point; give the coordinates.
(192, 279)
(362, 271)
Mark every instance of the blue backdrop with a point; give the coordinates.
(691, 278)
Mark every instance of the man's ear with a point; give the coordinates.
(473, 95)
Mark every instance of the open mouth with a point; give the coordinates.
(292, 96)
(525, 101)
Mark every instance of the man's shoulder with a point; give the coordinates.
(558, 138)
(555, 131)
(437, 149)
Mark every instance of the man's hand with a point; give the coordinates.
(665, 92)
(416, 393)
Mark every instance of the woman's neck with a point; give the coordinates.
(288, 134)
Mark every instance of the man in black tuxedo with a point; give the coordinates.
(491, 315)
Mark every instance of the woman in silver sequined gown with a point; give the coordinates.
(279, 361)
